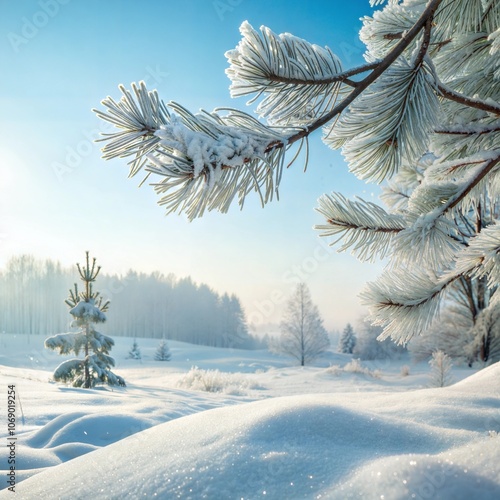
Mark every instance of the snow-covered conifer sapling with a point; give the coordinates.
(87, 309)
(135, 351)
(162, 351)
(347, 340)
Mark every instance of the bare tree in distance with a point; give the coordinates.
(303, 335)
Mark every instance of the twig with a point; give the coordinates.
(468, 101)
(341, 77)
(488, 167)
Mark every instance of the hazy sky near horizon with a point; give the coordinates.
(58, 198)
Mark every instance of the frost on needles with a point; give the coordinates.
(422, 116)
(87, 309)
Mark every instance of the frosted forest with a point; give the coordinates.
(178, 398)
(144, 305)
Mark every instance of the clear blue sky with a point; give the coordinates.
(60, 58)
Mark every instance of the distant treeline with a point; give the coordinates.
(32, 294)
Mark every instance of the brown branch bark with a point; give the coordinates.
(343, 77)
(466, 283)
(468, 101)
(485, 130)
(488, 167)
(393, 36)
(364, 228)
(424, 47)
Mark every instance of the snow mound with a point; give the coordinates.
(307, 446)
(450, 475)
(487, 378)
(44, 435)
(93, 429)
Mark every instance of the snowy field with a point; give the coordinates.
(248, 424)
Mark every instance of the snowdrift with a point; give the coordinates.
(429, 443)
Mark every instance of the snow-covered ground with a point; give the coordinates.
(248, 424)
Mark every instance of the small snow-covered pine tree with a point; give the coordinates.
(135, 351)
(347, 340)
(87, 309)
(441, 365)
(162, 351)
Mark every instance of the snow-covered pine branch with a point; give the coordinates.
(458, 141)
(137, 120)
(300, 81)
(476, 175)
(422, 234)
(458, 16)
(362, 226)
(71, 370)
(195, 188)
(494, 38)
(384, 30)
(430, 236)
(404, 304)
(203, 161)
(390, 121)
(482, 256)
(206, 160)
(373, 3)
(489, 105)
(85, 311)
(66, 343)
